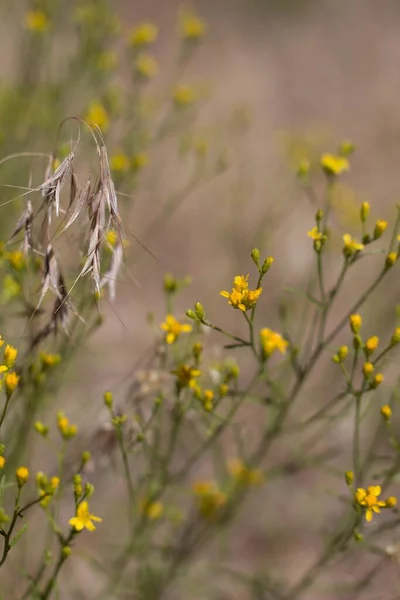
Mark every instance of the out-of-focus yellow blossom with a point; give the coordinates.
(349, 477)
(318, 238)
(2, 462)
(369, 500)
(10, 356)
(371, 344)
(37, 21)
(140, 160)
(380, 227)
(200, 147)
(391, 259)
(97, 115)
(395, 337)
(107, 61)
(66, 430)
(386, 412)
(377, 380)
(15, 259)
(41, 428)
(334, 165)
(174, 328)
(303, 169)
(184, 95)
(209, 498)
(146, 66)
(242, 474)
(152, 510)
(340, 355)
(1, 342)
(208, 400)
(143, 35)
(391, 502)
(223, 390)
(22, 475)
(111, 237)
(368, 369)
(119, 162)
(241, 296)
(186, 376)
(191, 26)
(351, 246)
(11, 287)
(49, 360)
(11, 381)
(83, 518)
(364, 211)
(271, 341)
(355, 323)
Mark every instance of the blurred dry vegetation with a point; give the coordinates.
(278, 81)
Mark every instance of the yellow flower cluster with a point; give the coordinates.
(242, 474)
(210, 499)
(46, 488)
(66, 430)
(241, 296)
(11, 379)
(350, 245)
(334, 165)
(368, 499)
(143, 35)
(186, 376)
(173, 329)
(272, 341)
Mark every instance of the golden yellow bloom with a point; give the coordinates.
(11, 381)
(97, 115)
(380, 227)
(10, 356)
(22, 475)
(364, 211)
(371, 344)
(143, 35)
(191, 26)
(334, 165)
(351, 246)
(391, 259)
(146, 66)
(66, 430)
(119, 162)
(152, 510)
(340, 355)
(355, 323)
(241, 296)
(377, 380)
(37, 21)
(272, 341)
(173, 329)
(368, 499)
(368, 369)
(209, 498)
(49, 360)
(314, 234)
(140, 160)
(186, 375)
(242, 474)
(386, 412)
(2, 462)
(391, 502)
(16, 259)
(184, 95)
(83, 518)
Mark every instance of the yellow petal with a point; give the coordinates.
(224, 294)
(76, 523)
(170, 338)
(369, 514)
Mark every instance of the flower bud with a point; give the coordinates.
(199, 311)
(108, 399)
(267, 264)
(380, 227)
(22, 475)
(395, 337)
(349, 477)
(355, 323)
(255, 255)
(391, 259)
(364, 211)
(386, 412)
(191, 314)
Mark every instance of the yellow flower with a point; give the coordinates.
(380, 227)
(386, 412)
(351, 246)
(140, 160)
(1, 342)
(83, 518)
(186, 376)
(36, 20)
(2, 462)
(208, 398)
(368, 499)
(146, 66)
(395, 337)
(22, 475)
(10, 356)
(349, 477)
(272, 341)
(241, 296)
(97, 115)
(334, 165)
(340, 355)
(377, 380)
(41, 428)
(143, 35)
(173, 329)
(316, 235)
(183, 95)
(391, 502)
(371, 344)
(242, 474)
(11, 381)
(66, 430)
(364, 211)
(119, 162)
(391, 259)
(355, 323)
(152, 510)
(49, 360)
(209, 498)
(191, 26)
(368, 369)
(16, 259)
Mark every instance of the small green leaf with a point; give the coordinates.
(16, 537)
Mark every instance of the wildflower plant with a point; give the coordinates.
(220, 413)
